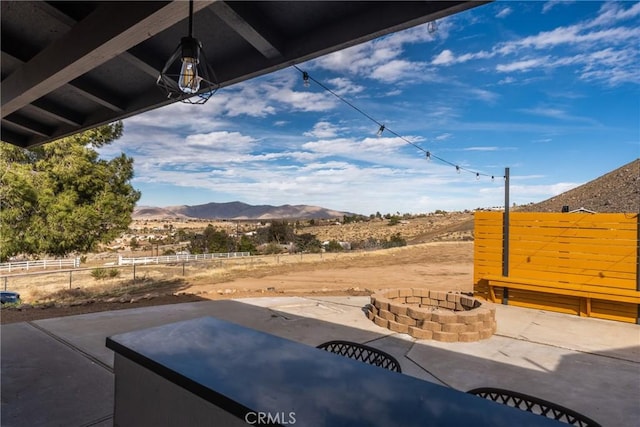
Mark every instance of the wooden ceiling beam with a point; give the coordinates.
(113, 28)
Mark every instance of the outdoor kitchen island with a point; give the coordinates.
(207, 371)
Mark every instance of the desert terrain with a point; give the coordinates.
(442, 265)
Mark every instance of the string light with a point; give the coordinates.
(306, 78)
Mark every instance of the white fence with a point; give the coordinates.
(166, 259)
(39, 264)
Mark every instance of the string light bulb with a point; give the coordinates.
(477, 176)
(189, 80)
(457, 168)
(381, 130)
(195, 82)
(305, 79)
(428, 154)
(493, 178)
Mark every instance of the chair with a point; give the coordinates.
(534, 405)
(363, 353)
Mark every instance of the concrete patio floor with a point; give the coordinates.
(58, 372)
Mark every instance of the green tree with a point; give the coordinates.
(212, 241)
(308, 242)
(394, 241)
(246, 245)
(334, 246)
(61, 197)
(134, 244)
(279, 231)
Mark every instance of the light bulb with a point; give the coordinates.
(305, 79)
(380, 131)
(189, 81)
(458, 169)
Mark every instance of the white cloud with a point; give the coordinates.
(444, 58)
(323, 130)
(523, 65)
(504, 12)
(574, 45)
(553, 3)
(248, 102)
(484, 94)
(571, 35)
(443, 137)
(557, 113)
(507, 80)
(304, 101)
(381, 59)
(397, 70)
(612, 12)
(343, 86)
(481, 149)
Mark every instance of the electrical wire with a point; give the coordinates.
(383, 128)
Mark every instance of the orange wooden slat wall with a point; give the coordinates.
(592, 250)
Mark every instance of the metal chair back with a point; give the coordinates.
(534, 405)
(363, 353)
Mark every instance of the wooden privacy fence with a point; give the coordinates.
(578, 263)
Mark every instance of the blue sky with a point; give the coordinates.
(548, 89)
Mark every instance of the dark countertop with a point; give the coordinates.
(242, 370)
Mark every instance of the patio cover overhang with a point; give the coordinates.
(71, 66)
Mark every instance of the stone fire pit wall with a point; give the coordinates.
(438, 315)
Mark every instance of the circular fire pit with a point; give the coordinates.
(438, 315)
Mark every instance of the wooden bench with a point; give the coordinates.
(584, 291)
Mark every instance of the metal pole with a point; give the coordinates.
(70, 272)
(505, 236)
(5, 282)
(183, 267)
(134, 271)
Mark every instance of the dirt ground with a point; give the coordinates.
(438, 265)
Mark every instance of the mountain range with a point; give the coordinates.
(236, 210)
(616, 191)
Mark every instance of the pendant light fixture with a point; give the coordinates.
(191, 80)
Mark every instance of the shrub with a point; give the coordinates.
(394, 220)
(394, 241)
(103, 273)
(99, 273)
(272, 248)
(334, 246)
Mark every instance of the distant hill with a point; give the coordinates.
(617, 191)
(236, 210)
